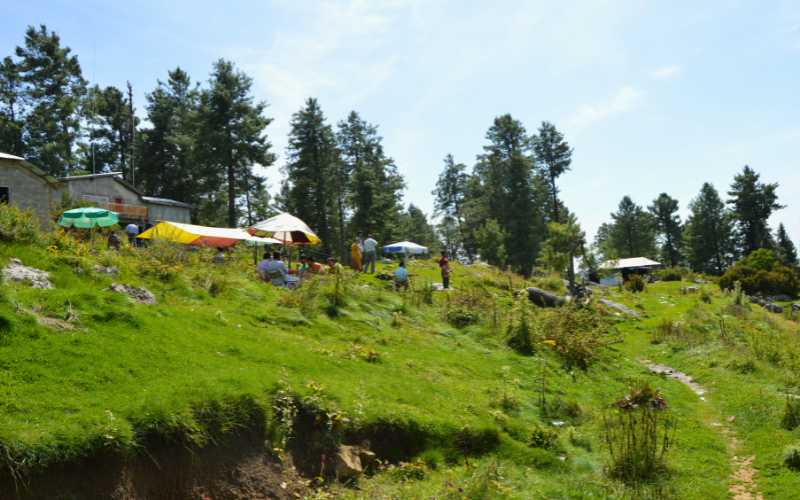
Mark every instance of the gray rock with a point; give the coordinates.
(140, 295)
(620, 308)
(691, 289)
(36, 278)
(110, 270)
(795, 307)
(351, 461)
(774, 308)
(544, 298)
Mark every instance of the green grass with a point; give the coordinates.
(208, 358)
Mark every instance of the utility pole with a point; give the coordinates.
(132, 132)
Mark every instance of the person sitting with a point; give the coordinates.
(311, 267)
(401, 277)
(219, 258)
(334, 267)
(273, 269)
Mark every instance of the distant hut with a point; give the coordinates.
(630, 266)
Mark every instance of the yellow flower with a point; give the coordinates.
(550, 342)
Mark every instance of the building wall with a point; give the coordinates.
(157, 212)
(102, 187)
(28, 190)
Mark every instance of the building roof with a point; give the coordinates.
(165, 201)
(91, 176)
(629, 263)
(6, 156)
(33, 168)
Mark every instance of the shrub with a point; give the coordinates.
(577, 334)
(791, 457)
(462, 308)
(18, 225)
(520, 330)
(761, 273)
(638, 434)
(791, 414)
(304, 297)
(671, 274)
(544, 438)
(635, 283)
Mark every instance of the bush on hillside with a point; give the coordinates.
(671, 274)
(635, 284)
(577, 334)
(761, 273)
(791, 414)
(791, 457)
(18, 225)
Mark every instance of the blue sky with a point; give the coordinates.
(653, 96)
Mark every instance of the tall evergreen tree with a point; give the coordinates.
(169, 165)
(375, 185)
(668, 227)
(631, 234)
(312, 157)
(415, 227)
(450, 194)
(752, 202)
(110, 125)
(708, 236)
(53, 86)
(11, 123)
(510, 192)
(553, 157)
(232, 131)
(787, 252)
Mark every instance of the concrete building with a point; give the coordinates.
(28, 187)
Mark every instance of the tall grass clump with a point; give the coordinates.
(305, 298)
(520, 334)
(791, 457)
(635, 284)
(578, 334)
(639, 433)
(18, 225)
(791, 414)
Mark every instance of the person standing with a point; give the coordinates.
(355, 254)
(444, 267)
(370, 254)
(132, 230)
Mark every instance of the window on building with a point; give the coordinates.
(5, 195)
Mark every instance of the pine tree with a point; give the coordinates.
(708, 236)
(787, 252)
(565, 242)
(631, 234)
(491, 240)
(53, 87)
(553, 158)
(753, 202)
(312, 159)
(168, 155)
(232, 131)
(108, 120)
(416, 228)
(11, 123)
(668, 226)
(376, 187)
(255, 204)
(510, 193)
(450, 194)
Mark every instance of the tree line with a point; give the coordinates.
(201, 143)
(717, 233)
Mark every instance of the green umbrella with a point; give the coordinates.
(88, 218)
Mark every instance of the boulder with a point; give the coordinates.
(691, 289)
(795, 307)
(780, 298)
(773, 308)
(620, 308)
(544, 298)
(36, 278)
(140, 295)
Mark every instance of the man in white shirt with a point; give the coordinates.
(370, 249)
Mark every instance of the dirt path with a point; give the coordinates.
(742, 480)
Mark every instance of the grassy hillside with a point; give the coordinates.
(426, 377)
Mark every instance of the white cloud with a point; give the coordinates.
(666, 72)
(624, 100)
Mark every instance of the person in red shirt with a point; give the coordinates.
(444, 267)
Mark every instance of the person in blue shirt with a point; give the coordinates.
(401, 277)
(273, 270)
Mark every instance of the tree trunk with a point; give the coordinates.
(231, 195)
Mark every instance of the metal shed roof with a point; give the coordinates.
(629, 263)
